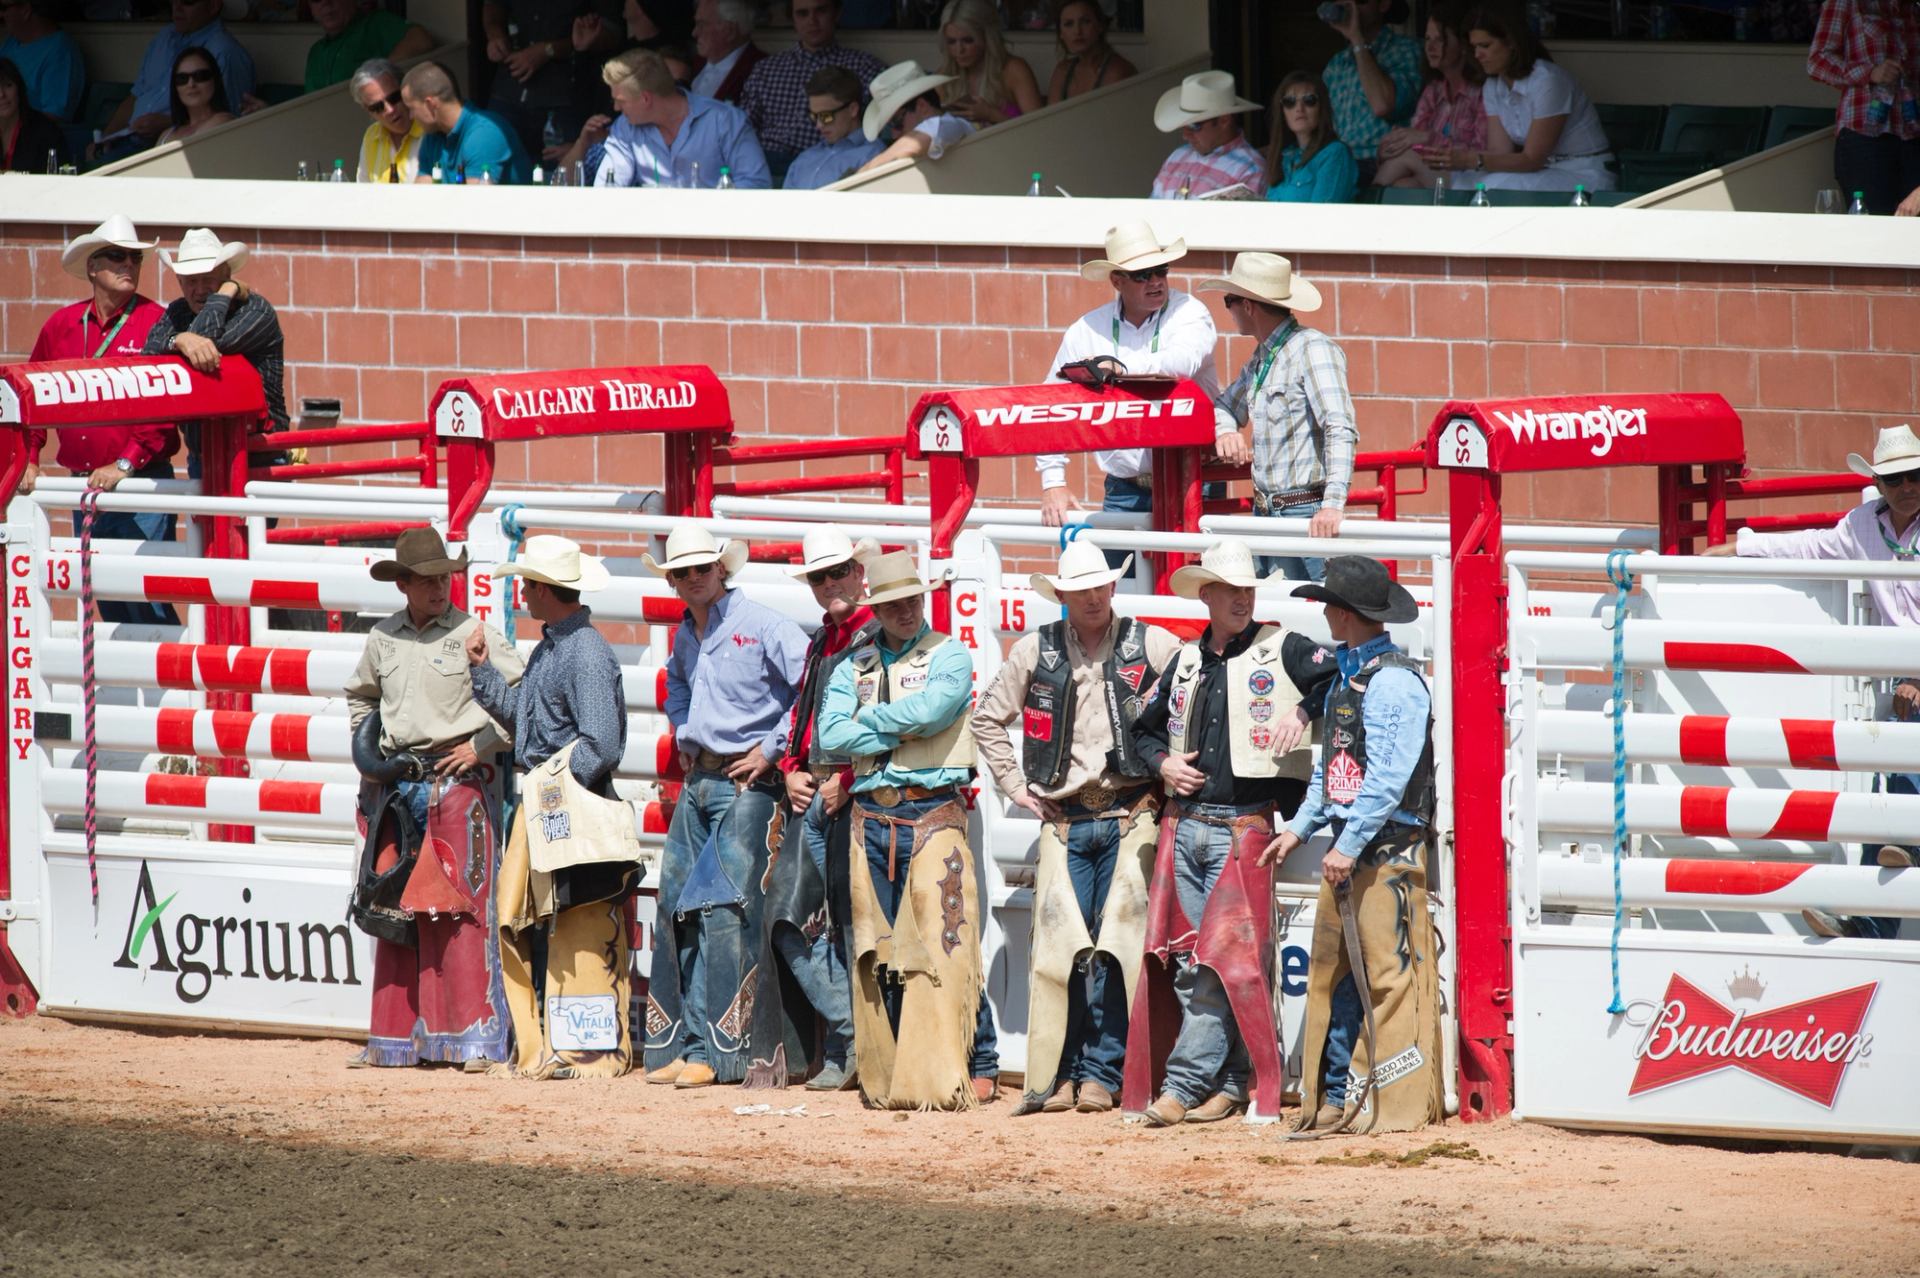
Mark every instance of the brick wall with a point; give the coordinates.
(839, 340)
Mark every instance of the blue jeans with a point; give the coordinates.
(1209, 1056)
(1295, 567)
(820, 965)
(122, 525)
(1882, 929)
(1344, 1020)
(1125, 497)
(1095, 1046)
(985, 1061)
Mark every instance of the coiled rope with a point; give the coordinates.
(1622, 578)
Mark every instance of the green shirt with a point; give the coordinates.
(335, 58)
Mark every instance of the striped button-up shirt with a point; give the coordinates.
(1198, 173)
(1294, 391)
(250, 330)
(731, 689)
(572, 690)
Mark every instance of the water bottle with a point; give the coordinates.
(937, 147)
(1581, 199)
(579, 172)
(302, 173)
(1033, 187)
(486, 175)
(339, 171)
(1480, 200)
(1859, 206)
(726, 179)
(552, 135)
(1880, 106)
(1186, 188)
(53, 161)
(439, 174)
(1440, 186)
(1909, 108)
(539, 176)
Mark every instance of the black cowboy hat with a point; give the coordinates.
(1361, 585)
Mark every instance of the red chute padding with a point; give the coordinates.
(1582, 432)
(125, 392)
(582, 401)
(1060, 417)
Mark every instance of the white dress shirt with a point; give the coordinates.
(715, 74)
(1865, 533)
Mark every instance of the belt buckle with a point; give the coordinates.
(1096, 797)
(887, 796)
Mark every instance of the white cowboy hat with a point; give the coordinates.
(1267, 277)
(115, 232)
(1895, 452)
(894, 576)
(827, 547)
(892, 89)
(558, 562)
(202, 251)
(1227, 560)
(1132, 246)
(690, 545)
(1083, 566)
(1204, 95)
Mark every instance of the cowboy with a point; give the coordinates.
(1076, 687)
(1214, 154)
(905, 102)
(1886, 529)
(572, 857)
(731, 680)
(1226, 730)
(1375, 788)
(1291, 397)
(807, 890)
(898, 708)
(1151, 328)
(426, 877)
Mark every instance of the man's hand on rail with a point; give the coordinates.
(1231, 447)
(198, 351)
(1724, 550)
(459, 760)
(1054, 505)
(107, 478)
(1906, 700)
(477, 646)
(28, 478)
(1325, 522)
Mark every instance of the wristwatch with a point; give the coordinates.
(126, 467)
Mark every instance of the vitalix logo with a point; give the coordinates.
(1094, 412)
(1601, 425)
(176, 940)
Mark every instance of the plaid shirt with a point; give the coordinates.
(1460, 120)
(1855, 36)
(1303, 429)
(775, 96)
(1405, 63)
(1203, 173)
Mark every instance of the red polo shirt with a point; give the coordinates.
(74, 332)
(839, 635)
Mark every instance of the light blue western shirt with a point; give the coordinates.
(849, 729)
(713, 134)
(1395, 712)
(732, 689)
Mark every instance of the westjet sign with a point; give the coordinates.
(1093, 413)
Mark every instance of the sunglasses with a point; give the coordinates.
(120, 256)
(824, 118)
(1150, 273)
(181, 79)
(1293, 100)
(821, 576)
(1897, 479)
(681, 574)
(380, 107)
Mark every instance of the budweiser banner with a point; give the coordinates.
(1578, 432)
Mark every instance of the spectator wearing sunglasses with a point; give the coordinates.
(1306, 163)
(1213, 155)
(390, 148)
(833, 102)
(350, 35)
(198, 100)
(144, 115)
(778, 94)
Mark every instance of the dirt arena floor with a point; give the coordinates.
(131, 1152)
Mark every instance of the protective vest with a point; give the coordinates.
(817, 672)
(874, 684)
(1259, 690)
(1346, 732)
(1047, 718)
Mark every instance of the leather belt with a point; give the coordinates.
(707, 761)
(1143, 480)
(821, 771)
(1096, 797)
(888, 796)
(1267, 503)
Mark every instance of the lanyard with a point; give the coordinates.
(111, 333)
(1273, 353)
(1158, 316)
(1899, 552)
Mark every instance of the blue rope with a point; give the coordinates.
(516, 537)
(1070, 532)
(1622, 579)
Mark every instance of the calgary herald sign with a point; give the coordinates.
(581, 402)
(1573, 432)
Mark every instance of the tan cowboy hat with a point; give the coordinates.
(1895, 452)
(1266, 277)
(1204, 95)
(894, 576)
(202, 251)
(115, 232)
(557, 561)
(420, 553)
(828, 547)
(1227, 560)
(690, 545)
(1083, 566)
(1132, 246)
(892, 89)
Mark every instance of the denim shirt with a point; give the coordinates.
(848, 729)
(572, 689)
(1395, 712)
(712, 135)
(733, 688)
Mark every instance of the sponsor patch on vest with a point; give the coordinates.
(1261, 736)
(583, 1023)
(866, 688)
(1176, 727)
(1049, 658)
(1037, 724)
(1344, 777)
(556, 827)
(1260, 683)
(1320, 655)
(1399, 1067)
(1260, 709)
(1340, 739)
(1132, 707)
(1179, 703)
(913, 679)
(1343, 713)
(1131, 675)
(549, 794)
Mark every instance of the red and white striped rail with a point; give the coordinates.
(1735, 741)
(237, 583)
(1687, 645)
(1763, 886)
(1715, 811)
(312, 805)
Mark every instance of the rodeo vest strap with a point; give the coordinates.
(1346, 736)
(1259, 691)
(951, 747)
(568, 824)
(813, 686)
(1046, 720)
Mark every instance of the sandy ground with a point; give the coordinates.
(169, 1153)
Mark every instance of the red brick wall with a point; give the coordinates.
(839, 340)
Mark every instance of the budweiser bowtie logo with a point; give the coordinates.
(1804, 1047)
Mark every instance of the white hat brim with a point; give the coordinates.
(1867, 470)
(73, 259)
(1304, 297)
(1098, 269)
(731, 556)
(863, 550)
(903, 591)
(1050, 588)
(234, 254)
(593, 574)
(1170, 117)
(1186, 582)
(881, 109)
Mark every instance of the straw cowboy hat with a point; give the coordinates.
(115, 232)
(895, 576)
(1227, 561)
(419, 553)
(1361, 585)
(1083, 566)
(1132, 246)
(892, 89)
(1265, 277)
(202, 251)
(1895, 452)
(1204, 95)
(690, 545)
(558, 562)
(830, 547)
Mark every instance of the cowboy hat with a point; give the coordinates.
(115, 232)
(1227, 561)
(420, 553)
(1083, 566)
(202, 251)
(1132, 246)
(1895, 451)
(894, 576)
(690, 545)
(1265, 277)
(892, 89)
(829, 547)
(1204, 95)
(558, 562)
(1361, 585)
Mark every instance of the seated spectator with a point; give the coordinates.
(660, 25)
(350, 35)
(776, 96)
(833, 101)
(1373, 82)
(536, 93)
(462, 142)
(1542, 132)
(390, 148)
(26, 136)
(989, 84)
(145, 114)
(1870, 51)
(1450, 112)
(197, 99)
(1306, 163)
(1087, 62)
(723, 36)
(905, 100)
(661, 136)
(46, 57)
(1214, 153)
